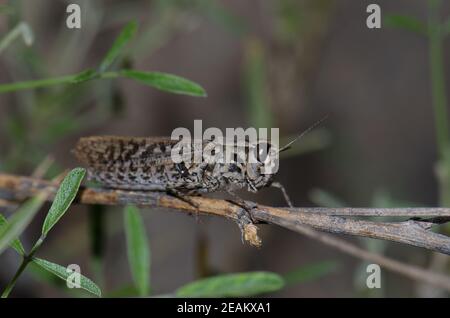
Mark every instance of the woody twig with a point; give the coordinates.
(414, 231)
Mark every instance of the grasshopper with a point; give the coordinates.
(146, 164)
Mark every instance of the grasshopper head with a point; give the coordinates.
(262, 165)
(263, 160)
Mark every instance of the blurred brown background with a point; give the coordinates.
(280, 63)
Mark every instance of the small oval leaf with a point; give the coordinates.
(61, 272)
(233, 285)
(138, 250)
(64, 197)
(166, 82)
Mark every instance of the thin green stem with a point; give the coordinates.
(436, 35)
(12, 283)
(26, 260)
(97, 234)
(68, 79)
(17, 86)
(36, 246)
(438, 79)
(109, 75)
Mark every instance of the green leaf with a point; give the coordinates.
(64, 197)
(233, 285)
(406, 23)
(124, 37)
(42, 275)
(63, 273)
(310, 272)
(20, 220)
(138, 250)
(15, 244)
(166, 82)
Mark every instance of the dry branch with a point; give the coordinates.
(301, 220)
(405, 212)
(409, 232)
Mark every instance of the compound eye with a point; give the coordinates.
(263, 150)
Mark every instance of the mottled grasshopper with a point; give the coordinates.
(136, 163)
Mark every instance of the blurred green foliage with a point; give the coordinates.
(12, 228)
(436, 31)
(138, 250)
(233, 285)
(52, 108)
(47, 113)
(310, 272)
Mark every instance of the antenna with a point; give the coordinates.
(317, 123)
